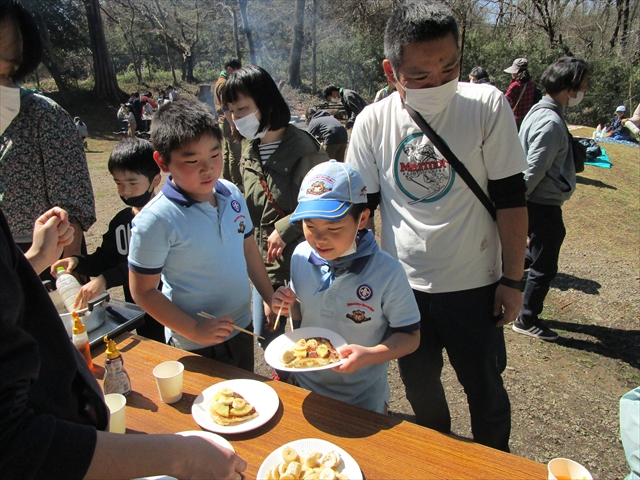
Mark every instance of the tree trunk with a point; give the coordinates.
(296, 47)
(48, 59)
(247, 31)
(106, 83)
(314, 48)
(236, 39)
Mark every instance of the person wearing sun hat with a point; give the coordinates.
(616, 129)
(347, 284)
(521, 91)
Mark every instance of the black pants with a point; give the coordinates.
(463, 324)
(546, 234)
(237, 351)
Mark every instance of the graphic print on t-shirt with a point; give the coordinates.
(420, 171)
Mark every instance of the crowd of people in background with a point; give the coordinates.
(226, 219)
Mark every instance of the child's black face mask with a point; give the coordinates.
(139, 201)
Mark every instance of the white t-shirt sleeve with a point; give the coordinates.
(360, 153)
(502, 152)
(398, 302)
(149, 245)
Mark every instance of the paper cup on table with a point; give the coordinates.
(169, 380)
(565, 469)
(118, 418)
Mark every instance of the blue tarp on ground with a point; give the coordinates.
(601, 160)
(619, 142)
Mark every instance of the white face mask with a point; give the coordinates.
(575, 101)
(430, 101)
(9, 106)
(354, 246)
(248, 127)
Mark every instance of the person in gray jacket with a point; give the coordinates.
(551, 180)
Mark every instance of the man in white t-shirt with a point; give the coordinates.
(465, 268)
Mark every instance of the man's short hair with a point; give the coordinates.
(311, 111)
(133, 155)
(479, 73)
(181, 122)
(564, 73)
(256, 83)
(416, 22)
(328, 90)
(234, 63)
(32, 49)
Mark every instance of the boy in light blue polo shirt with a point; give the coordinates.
(198, 237)
(346, 284)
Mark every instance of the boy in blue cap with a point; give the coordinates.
(346, 284)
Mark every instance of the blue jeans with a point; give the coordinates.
(546, 234)
(463, 324)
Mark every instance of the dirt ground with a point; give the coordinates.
(564, 395)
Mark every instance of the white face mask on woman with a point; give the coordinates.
(430, 101)
(9, 106)
(248, 127)
(575, 101)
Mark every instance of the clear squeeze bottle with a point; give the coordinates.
(116, 379)
(81, 339)
(68, 288)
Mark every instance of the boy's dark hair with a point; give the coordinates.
(328, 90)
(181, 122)
(311, 111)
(416, 22)
(31, 43)
(256, 83)
(234, 64)
(357, 209)
(479, 73)
(135, 94)
(565, 73)
(133, 155)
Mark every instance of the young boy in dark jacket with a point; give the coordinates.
(136, 175)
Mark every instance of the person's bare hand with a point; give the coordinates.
(69, 264)
(213, 330)
(208, 460)
(356, 358)
(90, 290)
(51, 233)
(507, 303)
(275, 246)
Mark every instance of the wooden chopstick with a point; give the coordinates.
(208, 315)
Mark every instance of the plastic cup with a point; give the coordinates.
(118, 418)
(565, 469)
(169, 380)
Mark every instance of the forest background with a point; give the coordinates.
(105, 46)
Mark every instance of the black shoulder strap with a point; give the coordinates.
(453, 160)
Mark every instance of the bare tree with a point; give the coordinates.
(248, 31)
(234, 17)
(296, 46)
(106, 83)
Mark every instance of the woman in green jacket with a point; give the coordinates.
(278, 157)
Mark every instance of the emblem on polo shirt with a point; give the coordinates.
(364, 292)
(241, 227)
(236, 205)
(358, 316)
(420, 171)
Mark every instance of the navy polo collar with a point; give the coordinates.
(174, 193)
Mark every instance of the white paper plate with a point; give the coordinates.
(287, 340)
(260, 395)
(348, 466)
(217, 439)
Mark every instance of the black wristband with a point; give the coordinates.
(517, 284)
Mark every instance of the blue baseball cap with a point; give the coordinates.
(329, 191)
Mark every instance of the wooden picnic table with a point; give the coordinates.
(384, 447)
